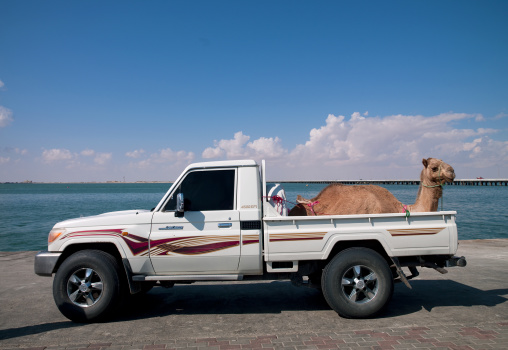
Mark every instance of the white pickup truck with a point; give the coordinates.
(220, 222)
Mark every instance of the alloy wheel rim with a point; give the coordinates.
(359, 284)
(85, 287)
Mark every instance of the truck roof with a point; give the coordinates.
(222, 164)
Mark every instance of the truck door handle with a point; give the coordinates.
(225, 224)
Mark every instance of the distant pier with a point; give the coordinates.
(459, 182)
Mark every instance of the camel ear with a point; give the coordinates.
(425, 162)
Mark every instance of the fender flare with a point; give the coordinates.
(339, 238)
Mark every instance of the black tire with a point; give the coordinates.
(357, 283)
(87, 286)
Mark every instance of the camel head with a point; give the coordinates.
(301, 200)
(437, 172)
(300, 209)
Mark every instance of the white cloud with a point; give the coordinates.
(73, 159)
(468, 146)
(5, 116)
(88, 152)
(56, 154)
(239, 147)
(268, 148)
(370, 147)
(212, 152)
(501, 116)
(15, 150)
(486, 152)
(135, 154)
(103, 158)
(398, 138)
(229, 148)
(4, 160)
(166, 157)
(330, 142)
(1, 84)
(162, 165)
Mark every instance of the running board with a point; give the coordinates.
(143, 278)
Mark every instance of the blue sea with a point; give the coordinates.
(29, 211)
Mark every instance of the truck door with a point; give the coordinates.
(207, 238)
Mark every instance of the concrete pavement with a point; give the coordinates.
(464, 309)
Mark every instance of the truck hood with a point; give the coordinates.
(124, 217)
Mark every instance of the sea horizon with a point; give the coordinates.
(402, 180)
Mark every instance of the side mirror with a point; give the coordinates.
(179, 205)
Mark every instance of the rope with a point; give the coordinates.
(311, 206)
(405, 210)
(279, 202)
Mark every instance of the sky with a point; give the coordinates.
(322, 90)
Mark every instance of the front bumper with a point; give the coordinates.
(45, 263)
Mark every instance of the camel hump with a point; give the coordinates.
(301, 200)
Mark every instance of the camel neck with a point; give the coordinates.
(427, 198)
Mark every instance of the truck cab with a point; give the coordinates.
(218, 229)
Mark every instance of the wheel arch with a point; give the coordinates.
(373, 244)
(106, 247)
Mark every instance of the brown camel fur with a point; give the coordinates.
(337, 199)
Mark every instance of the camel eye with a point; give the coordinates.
(435, 169)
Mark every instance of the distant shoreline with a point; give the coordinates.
(457, 182)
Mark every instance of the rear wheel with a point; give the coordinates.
(87, 286)
(357, 283)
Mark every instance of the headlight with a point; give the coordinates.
(55, 233)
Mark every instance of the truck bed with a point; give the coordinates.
(293, 238)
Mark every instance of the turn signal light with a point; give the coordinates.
(54, 234)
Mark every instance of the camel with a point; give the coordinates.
(338, 199)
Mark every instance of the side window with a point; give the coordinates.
(206, 190)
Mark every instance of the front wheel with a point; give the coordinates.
(357, 283)
(87, 286)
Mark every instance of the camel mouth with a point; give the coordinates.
(448, 178)
(448, 175)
